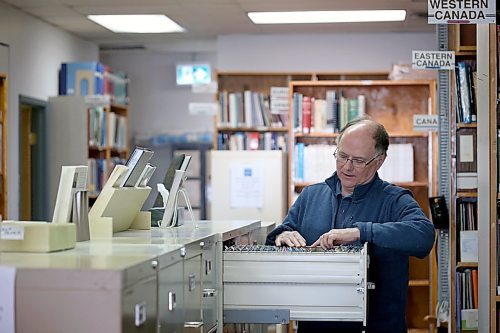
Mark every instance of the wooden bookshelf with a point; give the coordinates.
(3, 153)
(261, 82)
(477, 44)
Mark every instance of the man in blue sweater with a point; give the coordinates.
(354, 206)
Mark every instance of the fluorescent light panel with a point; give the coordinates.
(141, 24)
(341, 16)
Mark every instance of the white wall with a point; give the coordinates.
(36, 51)
(157, 104)
(319, 52)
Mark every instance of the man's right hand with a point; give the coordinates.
(290, 238)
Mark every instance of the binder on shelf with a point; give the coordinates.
(466, 158)
(469, 246)
(136, 164)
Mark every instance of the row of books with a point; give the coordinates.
(93, 78)
(466, 287)
(252, 141)
(98, 129)
(98, 172)
(329, 115)
(313, 163)
(467, 240)
(465, 91)
(248, 109)
(467, 214)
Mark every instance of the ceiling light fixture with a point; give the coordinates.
(141, 24)
(341, 16)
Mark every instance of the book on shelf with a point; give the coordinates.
(279, 105)
(465, 91)
(319, 116)
(243, 141)
(306, 114)
(466, 158)
(466, 300)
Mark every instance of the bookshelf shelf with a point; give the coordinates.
(419, 283)
(466, 125)
(466, 265)
(393, 103)
(252, 129)
(466, 194)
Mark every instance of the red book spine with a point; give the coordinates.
(306, 115)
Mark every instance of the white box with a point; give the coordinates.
(469, 246)
(469, 318)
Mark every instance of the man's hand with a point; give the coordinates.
(337, 237)
(290, 238)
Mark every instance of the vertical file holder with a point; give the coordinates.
(170, 215)
(118, 208)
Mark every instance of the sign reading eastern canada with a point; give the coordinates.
(433, 59)
(461, 11)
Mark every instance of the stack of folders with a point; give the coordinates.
(139, 170)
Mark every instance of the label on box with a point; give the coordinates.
(12, 232)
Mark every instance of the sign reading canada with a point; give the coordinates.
(461, 11)
(433, 59)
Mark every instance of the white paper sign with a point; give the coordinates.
(209, 88)
(460, 11)
(208, 109)
(433, 60)
(425, 122)
(247, 186)
(466, 153)
(12, 232)
(7, 299)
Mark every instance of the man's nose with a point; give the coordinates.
(349, 166)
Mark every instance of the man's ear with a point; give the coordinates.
(380, 161)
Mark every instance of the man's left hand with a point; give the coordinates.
(337, 237)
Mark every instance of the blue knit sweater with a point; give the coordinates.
(393, 224)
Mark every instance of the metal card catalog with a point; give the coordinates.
(291, 284)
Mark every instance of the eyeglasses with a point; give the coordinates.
(358, 163)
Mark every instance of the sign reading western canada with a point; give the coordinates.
(425, 122)
(460, 11)
(433, 59)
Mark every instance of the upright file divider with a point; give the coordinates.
(118, 208)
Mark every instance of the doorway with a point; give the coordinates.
(33, 198)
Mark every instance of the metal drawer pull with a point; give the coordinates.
(209, 292)
(171, 301)
(193, 324)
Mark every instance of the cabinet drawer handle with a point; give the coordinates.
(193, 324)
(209, 292)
